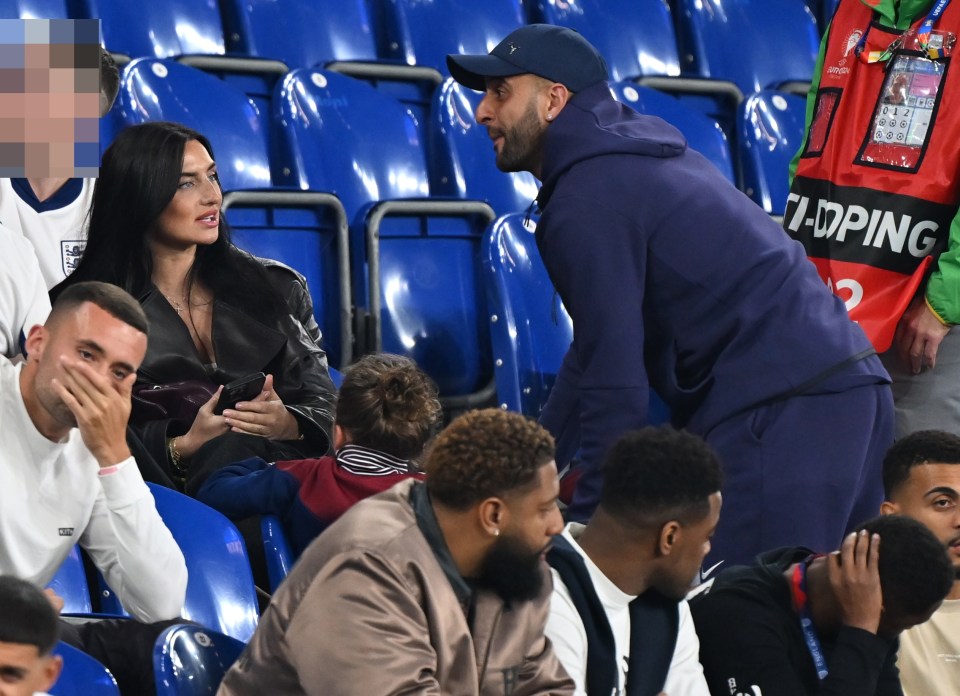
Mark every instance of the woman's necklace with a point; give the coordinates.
(180, 307)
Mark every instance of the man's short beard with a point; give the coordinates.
(512, 570)
(521, 142)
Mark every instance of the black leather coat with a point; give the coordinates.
(288, 347)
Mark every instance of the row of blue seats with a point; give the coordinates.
(748, 44)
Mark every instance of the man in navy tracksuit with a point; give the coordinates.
(678, 282)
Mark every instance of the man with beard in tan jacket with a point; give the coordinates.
(428, 588)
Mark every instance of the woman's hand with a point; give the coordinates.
(206, 426)
(265, 416)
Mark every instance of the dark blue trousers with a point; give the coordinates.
(801, 472)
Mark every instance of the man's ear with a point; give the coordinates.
(557, 97)
(51, 671)
(669, 537)
(36, 339)
(889, 508)
(493, 515)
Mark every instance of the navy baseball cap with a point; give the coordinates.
(556, 53)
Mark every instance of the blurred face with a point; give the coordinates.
(24, 671)
(931, 495)
(691, 546)
(86, 334)
(511, 111)
(193, 215)
(514, 567)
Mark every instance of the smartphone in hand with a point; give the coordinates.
(242, 389)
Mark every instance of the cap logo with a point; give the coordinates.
(513, 48)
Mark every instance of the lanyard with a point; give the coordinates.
(923, 38)
(923, 33)
(800, 600)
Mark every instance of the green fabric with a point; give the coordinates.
(943, 287)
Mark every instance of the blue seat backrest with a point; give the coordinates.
(71, 584)
(462, 161)
(754, 43)
(636, 37)
(82, 675)
(164, 90)
(34, 9)
(334, 133)
(532, 331)
(192, 660)
(220, 590)
(302, 34)
(423, 33)
(771, 131)
(159, 29)
(703, 133)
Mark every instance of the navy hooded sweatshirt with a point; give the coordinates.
(674, 280)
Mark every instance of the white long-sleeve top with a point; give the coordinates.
(569, 637)
(52, 495)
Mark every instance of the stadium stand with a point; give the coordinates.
(82, 675)
(191, 660)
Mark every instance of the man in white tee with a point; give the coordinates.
(618, 620)
(921, 479)
(66, 473)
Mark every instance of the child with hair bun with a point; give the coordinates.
(387, 410)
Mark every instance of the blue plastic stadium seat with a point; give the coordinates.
(636, 37)
(277, 551)
(703, 133)
(34, 9)
(192, 660)
(70, 583)
(757, 44)
(302, 229)
(414, 258)
(771, 130)
(82, 675)
(423, 33)
(220, 590)
(301, 34)
(158, 29)
(152, 89)
(529, 328)
(462, 160)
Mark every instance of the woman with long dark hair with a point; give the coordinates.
(216, 313)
